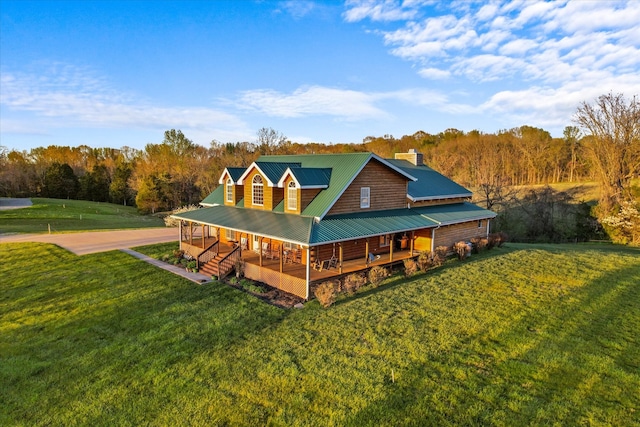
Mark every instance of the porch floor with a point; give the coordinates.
(299, 270)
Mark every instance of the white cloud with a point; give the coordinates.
(298, 8)
(343, 104)
(75, 96)
(434, 73)
(312, 100)
(386, 10)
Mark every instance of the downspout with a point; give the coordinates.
(488, 223)
(433, 238)
(308, 272)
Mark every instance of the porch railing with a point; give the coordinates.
(228, 263)
(209, 253)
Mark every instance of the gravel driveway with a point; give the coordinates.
(99, 241)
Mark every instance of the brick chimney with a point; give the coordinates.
(412, 156)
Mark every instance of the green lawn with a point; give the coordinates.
(73, 215)
(522, 335)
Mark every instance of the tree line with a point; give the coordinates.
(603, 146)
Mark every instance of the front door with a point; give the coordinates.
(256, 243)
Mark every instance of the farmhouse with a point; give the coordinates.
(297, 220)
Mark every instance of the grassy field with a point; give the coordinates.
(520, 335)
(73, 215)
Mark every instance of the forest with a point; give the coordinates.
(603, 147)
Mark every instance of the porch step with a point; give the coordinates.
(211, 267)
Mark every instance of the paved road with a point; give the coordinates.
(99, 241)
(9, 203)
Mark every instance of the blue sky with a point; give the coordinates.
(120, 73)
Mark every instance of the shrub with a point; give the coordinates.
(377, 274)
(440, 255)
(251, 286)
(353, 282)
(178, 253)
(410, 267)
(461, 249)
(496, 239)
(478, 244)
(325, 294)
(424, 260)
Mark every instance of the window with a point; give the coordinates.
(385, 240)
(292, 196)
(230, 234)
(365, 200)
(258, 191)
(229, 190)
(480, 224)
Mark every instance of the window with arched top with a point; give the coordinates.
(257, 187)
(292, 196)
(229, 191)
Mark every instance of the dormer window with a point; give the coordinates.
(365, 197)
(292, 196)
(257, 187)
(229, 190)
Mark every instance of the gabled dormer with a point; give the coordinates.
(233, 192)
(260, 184)
(301, 185)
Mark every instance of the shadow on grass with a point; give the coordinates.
(578, 364)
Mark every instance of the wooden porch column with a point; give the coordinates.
(393, 242)
(366, 251)
(191, 233)
(260, 250)
(280, 253)
(180, 233)
(411, 243)
(203, 246)
(340, 257)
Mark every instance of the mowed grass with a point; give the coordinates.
(522, 335)
(73, 215)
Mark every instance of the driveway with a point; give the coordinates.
(99, 241)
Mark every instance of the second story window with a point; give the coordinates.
(365, 197)
(258, 191)
(292, 196)
(229, 191)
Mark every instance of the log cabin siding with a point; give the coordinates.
(306, 196)
(450, 234)
(271, 195)
(388, 190)
(438, 202)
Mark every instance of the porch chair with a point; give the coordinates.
(333, 262)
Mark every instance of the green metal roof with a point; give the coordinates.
(273, 171)
(293, 228)
(334, 228)
(430, 184)
(215, 198)
(344, 168)
(312, 177)
(455, 213)
(235, 173)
